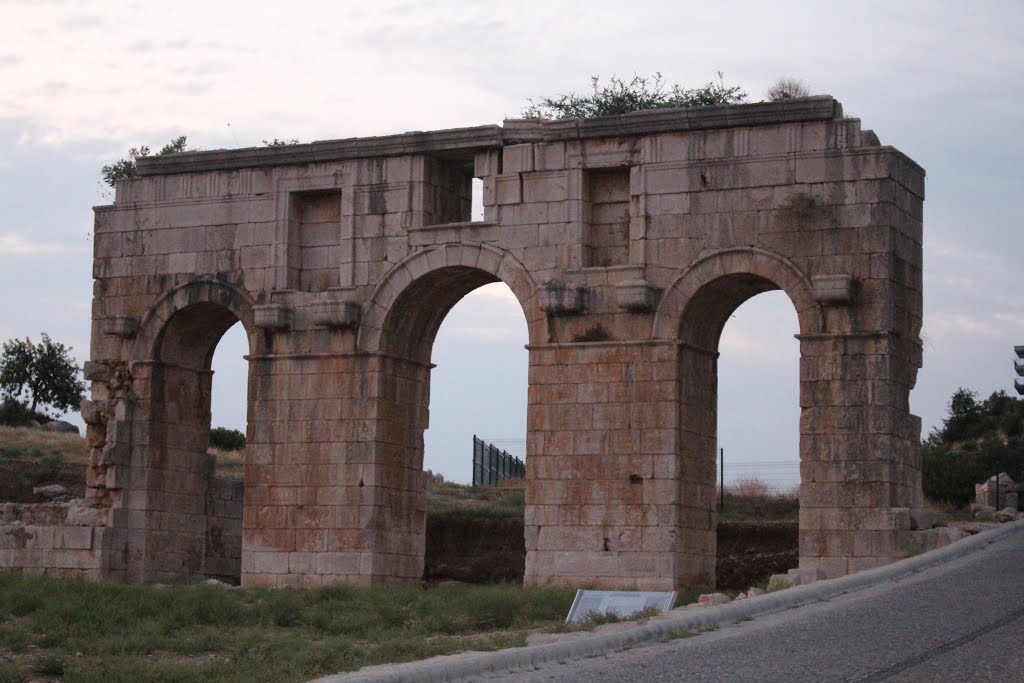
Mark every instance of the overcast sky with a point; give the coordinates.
(80, 83)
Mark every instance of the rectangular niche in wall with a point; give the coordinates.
(606, 218)
(448, 191)
(316, 240)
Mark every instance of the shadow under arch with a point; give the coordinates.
(216, 304)
(694, 312)
(170, 469)
(397, 336)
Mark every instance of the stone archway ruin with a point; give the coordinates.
(628, 241)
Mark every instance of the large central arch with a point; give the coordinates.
(406, 312)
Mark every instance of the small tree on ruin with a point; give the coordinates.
(620, 96)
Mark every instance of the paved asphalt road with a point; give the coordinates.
(962, 621)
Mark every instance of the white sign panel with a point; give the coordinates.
(623, 604)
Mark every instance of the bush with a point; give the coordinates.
(622, 97)
(125, 168)
(15, 414)
(978, 439)
(786, 89)
(227, 439)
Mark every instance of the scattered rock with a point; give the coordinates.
(710, 599)
(778, 582)
(983, 511)
(50, 491)
(921, 518)
(60, 426)
(81, 513)
(754, 592)
(996, 492)
(90, 411)
(1005, 515)
(219, 584)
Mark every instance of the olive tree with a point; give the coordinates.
(41, 375)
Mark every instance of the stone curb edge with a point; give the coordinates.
(454, 667)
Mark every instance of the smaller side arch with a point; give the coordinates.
(234, 304)
(767, 270)
(490, 264)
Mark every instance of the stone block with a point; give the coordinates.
(517, 158)
(120, 326)
(636, 295)
(273, 316)
(336, 314)
(834, 290)
(75, 538)
(558, 298)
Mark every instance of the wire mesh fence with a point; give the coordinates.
(492, 464)
(776, 478)
(767, 477)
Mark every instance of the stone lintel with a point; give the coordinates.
(454, 142)
(818, 108)
(464, 143)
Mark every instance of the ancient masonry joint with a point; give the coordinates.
(628, 242)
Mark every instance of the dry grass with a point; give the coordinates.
(445, 498)
(229, 463)
(36, 444)
(756, 500)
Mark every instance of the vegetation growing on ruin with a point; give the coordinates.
(787, 88)
(125, 168)
(621, 96)
(978, 439)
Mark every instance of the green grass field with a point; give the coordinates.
(81, 631)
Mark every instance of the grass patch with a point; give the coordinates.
(754, 501)
(677, 633)
(229, 463)
(948, 512)
(446, 499)
(113, 632)
(26, 443)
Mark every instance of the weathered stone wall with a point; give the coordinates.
(57, 539)
(223, 555)
(68, 538)
(628, 242)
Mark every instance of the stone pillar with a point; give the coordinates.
(859, 452)
(334, 484)
(161, 523)
(602, 492)
(309, 473)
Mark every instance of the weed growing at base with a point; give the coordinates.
(112, 632)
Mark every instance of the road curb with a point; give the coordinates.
(454, 667)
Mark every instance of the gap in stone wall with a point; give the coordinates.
(448, 193)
